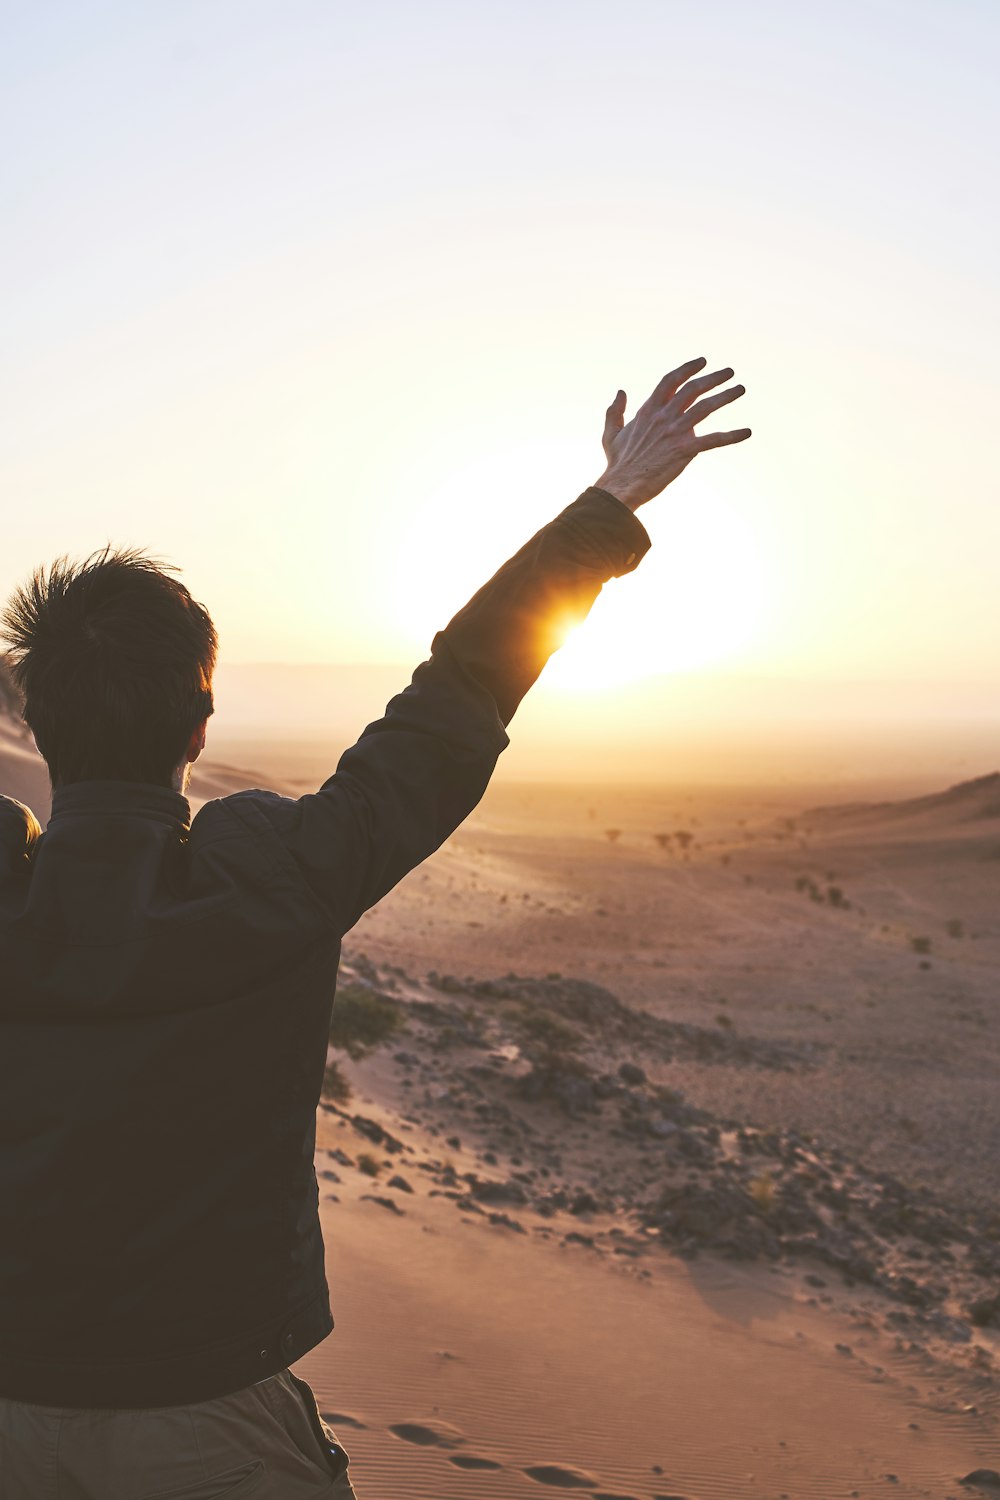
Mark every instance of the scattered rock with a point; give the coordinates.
(630, 1072)
(389, 1203)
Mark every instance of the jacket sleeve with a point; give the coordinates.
(416, 773)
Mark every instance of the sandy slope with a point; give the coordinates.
(483, 1347)
(545, 1309)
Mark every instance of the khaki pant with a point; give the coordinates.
(267, 1442)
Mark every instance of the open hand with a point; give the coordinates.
(660, 441)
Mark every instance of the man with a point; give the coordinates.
(166, 994)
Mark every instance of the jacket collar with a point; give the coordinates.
(134, 798)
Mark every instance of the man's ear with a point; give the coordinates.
(197, 742)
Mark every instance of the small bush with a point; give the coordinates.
(550, 1031)
(920, 944)
(370, 1165)
(612, 835)
(955, 927)
(362, 1019)
(762, 1191)
(335, 1085)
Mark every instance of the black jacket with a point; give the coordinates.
(165, 996)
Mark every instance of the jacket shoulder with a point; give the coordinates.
(249, 803)
(254, 812)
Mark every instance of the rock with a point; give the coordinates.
(952, 1329)
(584, 1203)
(373, 1131)
(985, 1311)
(389, 1203)
(488, 1191)
(631, 1073)
(504, 1221)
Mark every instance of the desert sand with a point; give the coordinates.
(676, 1172)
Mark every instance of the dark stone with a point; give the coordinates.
(389, 1203)
(488, 1191)
(631, 1073)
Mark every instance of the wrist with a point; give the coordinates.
(629, 496)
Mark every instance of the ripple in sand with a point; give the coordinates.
(606, 1495)
(561, 1477)
(470, 1461)
(428, 1434)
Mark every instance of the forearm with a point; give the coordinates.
(508, 630)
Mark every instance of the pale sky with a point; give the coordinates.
(325, 303)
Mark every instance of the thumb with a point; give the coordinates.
(614, 421)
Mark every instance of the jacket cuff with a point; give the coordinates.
(618, 539)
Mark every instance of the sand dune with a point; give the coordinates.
(969, 801)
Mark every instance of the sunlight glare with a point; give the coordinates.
(698, 598)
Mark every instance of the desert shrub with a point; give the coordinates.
(362, 1019)
(920, 944)
(335, 1085)
(955, 927)
(369, 1164)
(551, 1032)
(663, 839)
(683, 837)
(612, 835)
(762, 1191)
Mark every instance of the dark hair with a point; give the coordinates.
(114, 662)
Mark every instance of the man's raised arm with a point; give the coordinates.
(416, 773)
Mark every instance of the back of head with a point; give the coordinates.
(114, 662)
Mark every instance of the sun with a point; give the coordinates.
(699, 597)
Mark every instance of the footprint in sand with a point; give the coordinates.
(428, 1434)
(561, 1477)
(341, 1419)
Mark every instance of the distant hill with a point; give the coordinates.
(967, 801)
(22, 771)
(10, 703)
(24, 777)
